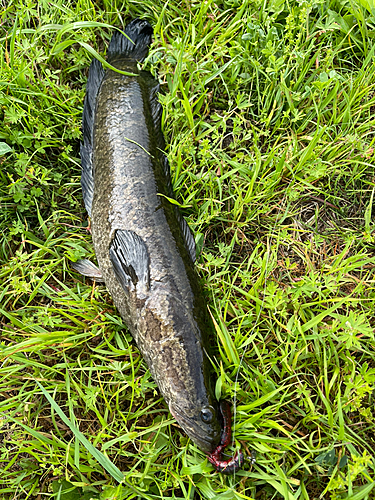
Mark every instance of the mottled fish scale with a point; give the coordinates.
(144, 248)
(133, 202)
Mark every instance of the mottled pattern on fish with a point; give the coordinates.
(143, 247)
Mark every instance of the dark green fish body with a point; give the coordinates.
(144, 248)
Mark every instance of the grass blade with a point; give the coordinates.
(104, 461)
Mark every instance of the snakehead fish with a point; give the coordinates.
(144, 248)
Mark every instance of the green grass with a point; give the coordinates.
(270, 131)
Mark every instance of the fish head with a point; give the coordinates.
(175, 352)
(201, 424)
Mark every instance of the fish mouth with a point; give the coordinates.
(199, 436)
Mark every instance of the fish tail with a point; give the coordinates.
(135, 45)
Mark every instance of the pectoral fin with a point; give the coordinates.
(130, 260)
(87, 268)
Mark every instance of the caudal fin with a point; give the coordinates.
(120, 47)
(140, 32)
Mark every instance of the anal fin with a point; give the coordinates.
(94, 81)
(87, 179)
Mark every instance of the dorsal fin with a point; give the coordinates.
(150, 88)
(187, 234)
(156, 107)
(130, 260)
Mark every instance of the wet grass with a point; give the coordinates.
(268, 119)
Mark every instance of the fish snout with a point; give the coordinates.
(205, 434)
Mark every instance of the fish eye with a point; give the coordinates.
(206, 415)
